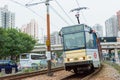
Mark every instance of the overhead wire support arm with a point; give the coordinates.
(59, 15)
(64, 11)
(28, 5)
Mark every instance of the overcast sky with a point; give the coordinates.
(98, 12)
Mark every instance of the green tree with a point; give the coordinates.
(58, 53)
(3, 36)
(119, 52)
(17, 43)
(27, 43)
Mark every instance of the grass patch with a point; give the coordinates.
(28, 70)
(1, 74)
(116, 66)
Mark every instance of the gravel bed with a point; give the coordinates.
(107, 73)
(56, 76)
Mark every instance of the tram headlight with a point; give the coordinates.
(71, 59)
(81, 58)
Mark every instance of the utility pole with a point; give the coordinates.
(48, 34)
(48, 42)
(77, 14)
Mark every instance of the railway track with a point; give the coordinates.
(59, 74)
(20, 76)
(92, 74)
(82, 76)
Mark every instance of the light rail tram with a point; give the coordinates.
(82, 49)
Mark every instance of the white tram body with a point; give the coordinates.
(81, 48)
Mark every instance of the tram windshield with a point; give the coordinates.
(74, 41)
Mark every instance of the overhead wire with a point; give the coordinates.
(59, 15)
(27, 8)
(77, 3)
(30, 10)
(30, 1)
(64, 11)
(81, 11)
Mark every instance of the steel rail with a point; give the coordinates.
(20, 76)
(83, 76)
(93, 74)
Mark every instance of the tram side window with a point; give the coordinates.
(89, 40)
(95, 40)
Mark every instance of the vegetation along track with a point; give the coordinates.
(30, 74)
(82, 76)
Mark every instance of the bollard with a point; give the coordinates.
(13, 70)
(3, 71)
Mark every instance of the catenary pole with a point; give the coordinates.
(48, 39)
(48, 34)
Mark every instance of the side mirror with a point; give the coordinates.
(91, 31)
(60, 34)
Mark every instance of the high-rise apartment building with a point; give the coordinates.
(98, 29)
(7, 18)
(118, 17)
(31, 29)
(54, 38)
(111, 26)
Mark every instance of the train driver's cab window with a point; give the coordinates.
(74, 41)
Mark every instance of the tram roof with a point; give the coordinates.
(75, 28)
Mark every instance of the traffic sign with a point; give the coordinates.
(47, 42)
(48, 55)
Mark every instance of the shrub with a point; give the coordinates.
(26, 70)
